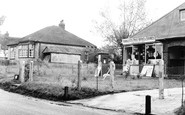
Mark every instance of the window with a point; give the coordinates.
(26, 50)
(182, 15)
(12, 52)
(31, 50)
(86, 56)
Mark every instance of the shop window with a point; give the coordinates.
(182, 15)
(158, 52)
(139, 54)
(128, 52)
(153, 51)
(136, 52)
(150, 49)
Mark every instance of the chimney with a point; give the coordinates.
(62, 24)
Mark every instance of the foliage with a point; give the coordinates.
(115, 51)
(130, 18)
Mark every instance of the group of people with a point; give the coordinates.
(110, 72)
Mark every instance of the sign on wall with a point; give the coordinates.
(142, 40)
(64, 58)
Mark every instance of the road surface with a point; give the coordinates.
(15, 104)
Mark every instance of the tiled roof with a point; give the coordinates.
(56, 35)
(168, 26)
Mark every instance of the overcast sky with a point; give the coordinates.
(24, 17)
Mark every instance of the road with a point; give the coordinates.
(15, 104)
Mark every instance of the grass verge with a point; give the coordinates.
(49, 91)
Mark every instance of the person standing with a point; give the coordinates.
(98, 69)
(112, 70)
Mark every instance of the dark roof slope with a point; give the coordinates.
(169, 26)
(57, 35)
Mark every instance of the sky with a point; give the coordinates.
(24, 17)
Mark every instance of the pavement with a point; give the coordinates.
(134, 102)
(16, 104)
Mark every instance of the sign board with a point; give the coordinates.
(64, 58)
(130, 41)
(147, 70)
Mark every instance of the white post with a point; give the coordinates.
(79, 76)
(22, 71)
(161, 80)
(31, 71)
(145, 54)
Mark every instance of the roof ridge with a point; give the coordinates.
(144, 29)
(55, 34)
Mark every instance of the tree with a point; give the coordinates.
(2, 19)
(130, 19)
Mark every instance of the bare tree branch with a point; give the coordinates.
(132, 18)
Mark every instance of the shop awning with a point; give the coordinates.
(131, 41)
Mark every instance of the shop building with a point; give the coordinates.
(162, 42)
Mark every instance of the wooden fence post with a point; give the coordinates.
(79, 76)
(31, 71)
(161, 80)
(182, 100)
(22, 71)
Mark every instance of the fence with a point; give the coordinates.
(70, 75)
(67, 74)
(53, 72)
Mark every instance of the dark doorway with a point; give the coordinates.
(176, 60)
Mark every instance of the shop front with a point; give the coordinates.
(143, 56)
(166, 47)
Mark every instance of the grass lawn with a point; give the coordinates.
(55, 91)
(129, 84)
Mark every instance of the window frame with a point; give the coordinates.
(24, 50)
(180, 14)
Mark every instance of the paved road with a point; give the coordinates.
(15, 104)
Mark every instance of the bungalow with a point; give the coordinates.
(51, 44)
(162, 40)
